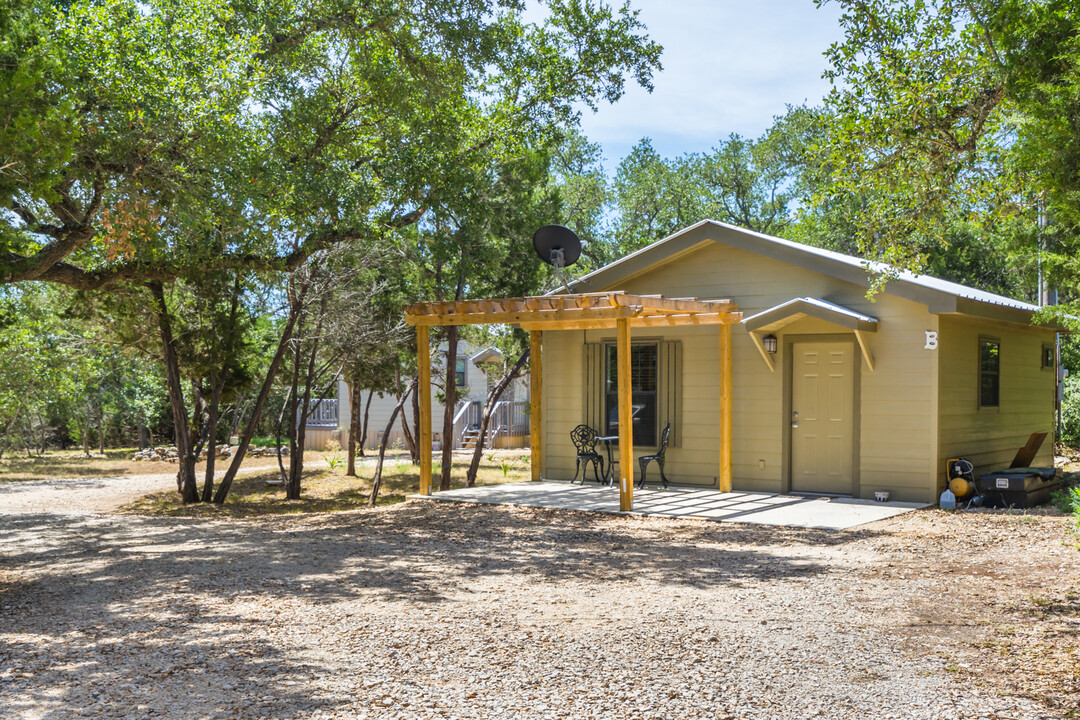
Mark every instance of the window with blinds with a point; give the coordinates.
(643, 381)
(656, 368)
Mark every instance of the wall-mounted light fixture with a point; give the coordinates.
(769, 341)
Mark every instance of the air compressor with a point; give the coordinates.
(961, 474)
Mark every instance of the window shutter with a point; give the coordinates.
(592, 387)
(670, 390)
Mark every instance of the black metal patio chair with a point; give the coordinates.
(658, 457)
(584, 439)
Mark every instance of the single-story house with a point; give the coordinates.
(832, 391)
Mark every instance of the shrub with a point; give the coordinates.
(1068, 498)
(1070, 412)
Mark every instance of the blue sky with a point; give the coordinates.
(729, 66)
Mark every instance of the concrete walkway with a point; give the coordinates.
(681, 502)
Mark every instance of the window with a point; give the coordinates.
(459, 373)
(1048, 356)
(989, 372)
(643, 383)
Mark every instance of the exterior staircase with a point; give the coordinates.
(471, 436)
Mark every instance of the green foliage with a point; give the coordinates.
(947, 123)
(1070, 412)
(754, 184)
(1068, 500)
(160, 139)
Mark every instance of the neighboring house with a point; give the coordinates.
(832, 392)
(509, 424)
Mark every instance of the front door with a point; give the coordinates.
(822, 417)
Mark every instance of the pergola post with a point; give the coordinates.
(536, 414)
(423, 387)
(725, 408)
(626, 421)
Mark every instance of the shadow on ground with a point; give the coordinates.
(77, 592)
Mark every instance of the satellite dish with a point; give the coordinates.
(559, 247)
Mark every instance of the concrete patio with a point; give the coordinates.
(827, 513)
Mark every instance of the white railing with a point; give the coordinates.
(466, 417)
(323, 414)
(508, 418)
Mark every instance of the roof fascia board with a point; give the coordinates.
(1003, 313)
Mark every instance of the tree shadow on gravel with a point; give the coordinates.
(86, 589)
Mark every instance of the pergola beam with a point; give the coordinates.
(662, 304)
(647, 321)
(520, 316)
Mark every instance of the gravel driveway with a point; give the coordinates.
(430, 610)
(96, 494)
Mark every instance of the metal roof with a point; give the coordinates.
(925, 289)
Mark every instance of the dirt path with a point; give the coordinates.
(427, 610)
(92, 494)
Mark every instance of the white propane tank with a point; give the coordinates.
(947, 500)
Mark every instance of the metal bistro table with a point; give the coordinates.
(608, 440)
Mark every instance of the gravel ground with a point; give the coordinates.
(434, 610)
(99, 494)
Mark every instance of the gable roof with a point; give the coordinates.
(939, 296)
(792, 310)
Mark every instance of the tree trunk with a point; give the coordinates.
(216, 386)
(295, 421)
(144, 437)
(277, 435)
(485, 419)
(185, 475)
(448, 409)
(101, 431)
(413, 452)
(292, 489)
(256, 413)
(376, 481)
(44, 434)
(367, 415)
(416, 416)
(199, 421)
(355, 396)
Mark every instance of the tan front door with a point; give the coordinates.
(822, 417)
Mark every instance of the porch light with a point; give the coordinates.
(769, 341)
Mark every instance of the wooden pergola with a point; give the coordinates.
(579, 311)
